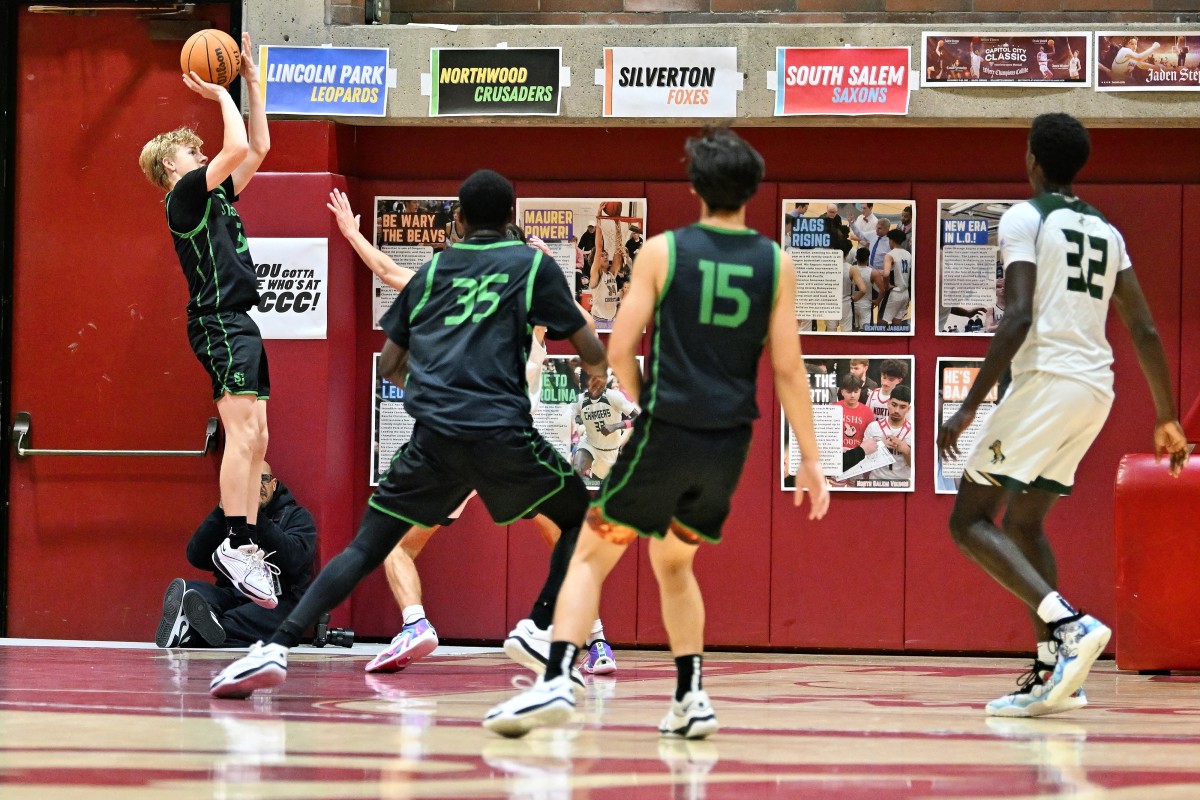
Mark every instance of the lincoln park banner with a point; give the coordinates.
(335, 81)
(844, 81)
(495, 81)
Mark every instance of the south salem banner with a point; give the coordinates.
(339, 81)
(843, 81)
(670, 81)
(495, 81)
(292, 281)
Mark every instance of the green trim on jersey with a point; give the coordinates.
(193, 231)
(489, 246)
(1049, 202)
(562, 469)
(537, 259)
(731, 231)
(428, 288)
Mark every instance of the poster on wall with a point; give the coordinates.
(955, 377)
(854, 264)
(863, 418)
(335, 81)
(409, 230)
(292, 279)
(970, 274)
(391, 426)
(593, 241)
(670, 81)
(1006, 59)
(588, 427)
(495, 81)
(1142, 61)
(841, 81)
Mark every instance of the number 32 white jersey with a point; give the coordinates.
(1078, 255)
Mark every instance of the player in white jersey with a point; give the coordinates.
(1063, 264)
(1128, 57)
(897, 271)
(895, 432)
(605, 417)
(1043, 62)
(891, 372)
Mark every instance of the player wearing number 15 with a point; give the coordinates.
(716, 292)
(1063, 264)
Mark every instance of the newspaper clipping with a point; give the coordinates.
(863, 417)
(854, 264)
(410, 230)
(970, 272)
(594, 241)
(955, 376)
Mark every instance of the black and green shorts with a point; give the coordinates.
(230, 347)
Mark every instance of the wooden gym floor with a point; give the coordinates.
(104, 720)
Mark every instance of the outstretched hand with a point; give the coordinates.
(209, 91)
(347, 220)
(810, 480)
(249, 70)
(1170, 439)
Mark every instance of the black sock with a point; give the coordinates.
(687, 671)
(561, 659)
(287, 635)
(238, 533)
(543, 608)
(252, 531)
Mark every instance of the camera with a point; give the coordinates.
(338, 637)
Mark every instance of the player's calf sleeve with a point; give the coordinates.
(543, 608)
(377, 535)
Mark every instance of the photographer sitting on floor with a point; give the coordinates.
(203, 614)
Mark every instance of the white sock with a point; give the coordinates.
(1053, 608)
(1047, 653)
(597, 633)
(413, 614)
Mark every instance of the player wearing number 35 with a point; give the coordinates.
(458, 339)
(1063, 264)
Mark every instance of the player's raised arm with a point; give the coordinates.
(637, 309)
(234, 145)
(791, 382)
(1135, 313)
(259, 135)
(376, 260)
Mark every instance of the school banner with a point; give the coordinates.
(1142, 61)
(970, 275)
(495, 81)
(292, 278)
(955, 377)
(409, 230)
(338, 81)
(1006, 59)
(863, 418)
(670, 81)
(843, 81)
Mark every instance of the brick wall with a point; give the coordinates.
(819, 12)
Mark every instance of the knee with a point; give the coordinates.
(960, 529)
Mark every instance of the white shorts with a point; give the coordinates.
(1038, 434)
(602, 460)
(897, 306)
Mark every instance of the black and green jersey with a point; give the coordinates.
(710, 326)
(211, 245)
(466, 319)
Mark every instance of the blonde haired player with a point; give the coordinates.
(222, 287)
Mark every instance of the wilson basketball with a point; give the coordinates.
(611, 209)
(213, 55)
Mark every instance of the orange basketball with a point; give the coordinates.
(611, 209)
(213, 55)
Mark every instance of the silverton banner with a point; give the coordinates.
(846, 81)
(670, 81)
(1004, 59)
(495, 81)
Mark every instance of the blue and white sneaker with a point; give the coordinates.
(263, 667)
(600, 659)
(1081, 639)
(1030, 699)
(544, 703)
(412, 642)
(690, 718)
